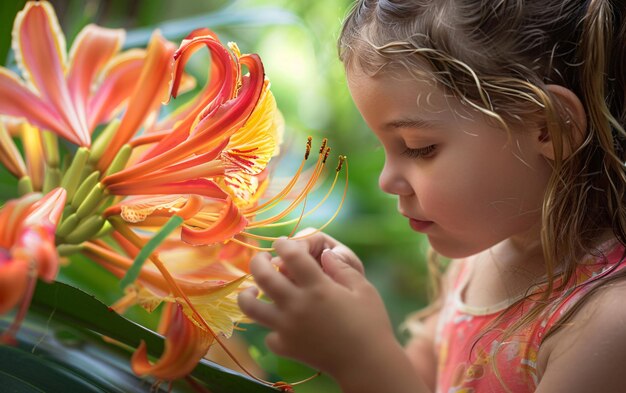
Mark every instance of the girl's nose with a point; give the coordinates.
(392, 181)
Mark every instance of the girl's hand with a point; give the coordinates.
(318, 242)
(323, 312)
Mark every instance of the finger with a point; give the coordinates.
(275, 344)
(340, 271)
(317, 241)
(348, 256)
(280, 265)
(272, 282)
(265, 314)
(303, 268)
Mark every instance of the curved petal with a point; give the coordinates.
(134, 210)
(221, 87)
(213, 128)
(150, 91)
(177, 170)
(230, 223)
(10, 156)
(182, 58)
(12, 215)
(201, 187)
(120, 80)
(48, 210)
(37, 236)
(18, 101)
(37, 243)
(92, 49)
(39, 46)
(185, 345)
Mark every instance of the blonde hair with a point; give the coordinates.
(498, 57)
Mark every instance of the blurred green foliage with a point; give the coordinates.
(297, 42)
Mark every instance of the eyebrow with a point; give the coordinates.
(410, 123)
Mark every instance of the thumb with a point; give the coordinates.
(338, 270)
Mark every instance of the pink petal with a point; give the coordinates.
(39, 47)
(18, 101)
(48, 210)
(92, 50)
(120, 80)
(147, 97)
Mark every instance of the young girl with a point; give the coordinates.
(503, 128)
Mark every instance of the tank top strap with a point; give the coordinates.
(586, 276)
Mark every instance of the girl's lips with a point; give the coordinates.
(419, 226)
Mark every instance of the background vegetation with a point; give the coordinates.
(297, 42)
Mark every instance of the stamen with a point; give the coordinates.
(309, 142)
(176, 290)
(251, 246)
(340, 164)
(343, 198)
(319, 204)
(307, 188)
(324, 142)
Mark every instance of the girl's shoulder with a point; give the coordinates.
(593, 342)
(591, 313)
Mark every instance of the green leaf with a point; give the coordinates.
(132, 273)
(81, 358)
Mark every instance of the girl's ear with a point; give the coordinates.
(575, 118)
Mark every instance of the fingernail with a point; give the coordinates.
(329, 251)
(253, 291)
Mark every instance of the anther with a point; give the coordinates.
(309, 141)
(340, 164)
(326, 155)
(324, 141)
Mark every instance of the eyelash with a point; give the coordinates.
(422, 152)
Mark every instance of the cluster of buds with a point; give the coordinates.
(167, 203)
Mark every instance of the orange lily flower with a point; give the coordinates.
(56, 93)
(194, 149)
(205, 165)
(208, 283)
(27, 248)
(223, 219)
(185, 345)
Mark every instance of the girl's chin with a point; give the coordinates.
(452, 248)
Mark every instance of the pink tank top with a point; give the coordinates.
(466, 349)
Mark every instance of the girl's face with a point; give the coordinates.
(460, 179)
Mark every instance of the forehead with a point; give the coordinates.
(399, 92)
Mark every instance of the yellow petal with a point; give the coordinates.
(252, 146)
(33, 148)
(138, 209)
(10, 156)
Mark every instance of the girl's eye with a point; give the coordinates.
(422, 152)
